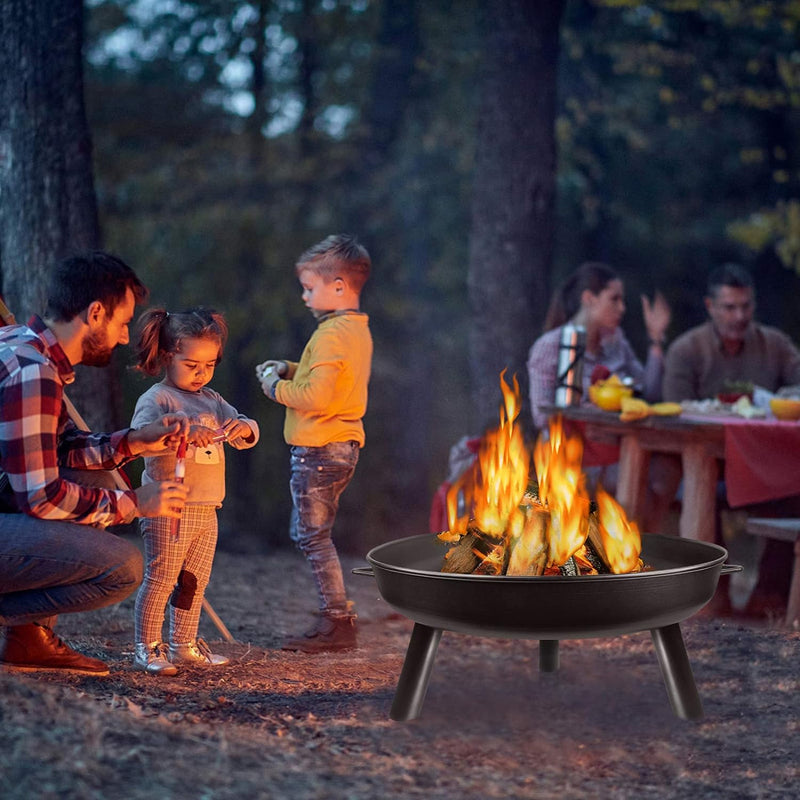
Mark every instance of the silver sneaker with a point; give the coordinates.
(196, 654)
(152, 658)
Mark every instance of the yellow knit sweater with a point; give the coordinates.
(325, 393)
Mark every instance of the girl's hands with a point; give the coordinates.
(235, 429)
(201, 436)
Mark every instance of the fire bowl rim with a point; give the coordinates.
(721, 557)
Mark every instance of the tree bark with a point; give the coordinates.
(48, 207)
(511, 242)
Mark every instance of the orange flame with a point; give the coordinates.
(562, 488)
(524, 534)
(496, 487)
(621, 539)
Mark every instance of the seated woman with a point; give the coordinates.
(593, 296)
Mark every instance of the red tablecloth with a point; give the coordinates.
(762, 460)
(762, 457)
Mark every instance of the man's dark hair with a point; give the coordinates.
(733, 275)
(79, 280)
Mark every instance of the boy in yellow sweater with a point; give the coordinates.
(325, 395)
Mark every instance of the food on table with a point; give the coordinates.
(714, 408)
(666, 409)
(633, 408)
(734, 390)
(744, 408)
(785, 408)
(607, 394)
(600, 373)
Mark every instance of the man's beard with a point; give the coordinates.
(96, 352)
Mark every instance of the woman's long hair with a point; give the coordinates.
(566, 300)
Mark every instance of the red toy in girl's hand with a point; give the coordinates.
(600, 373)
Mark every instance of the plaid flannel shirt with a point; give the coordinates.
(37, 435)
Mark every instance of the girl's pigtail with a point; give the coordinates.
(149, 353)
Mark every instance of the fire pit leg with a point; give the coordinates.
(548, 655)
(416, 673)
(677, 672)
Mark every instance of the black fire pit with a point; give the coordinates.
(549, 608)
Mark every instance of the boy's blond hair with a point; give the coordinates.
(338, 256)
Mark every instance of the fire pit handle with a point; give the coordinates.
(727, 569)
(367, 571)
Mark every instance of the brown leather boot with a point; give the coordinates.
(34, 647)
(328, 635)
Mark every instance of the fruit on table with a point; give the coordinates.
(666, 409)
(599, 373)
(633, 408)
(785, 408)
(608, 394)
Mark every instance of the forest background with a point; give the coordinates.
(227, 137)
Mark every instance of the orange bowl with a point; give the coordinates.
(609, 396)
(785, 408)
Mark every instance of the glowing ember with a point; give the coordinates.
(515, 521)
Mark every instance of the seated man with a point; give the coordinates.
(730, 347)
(55, 555)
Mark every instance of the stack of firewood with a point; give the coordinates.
(525, 551)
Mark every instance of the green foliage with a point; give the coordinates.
(678, 122)
(777, 227)
(678, 148)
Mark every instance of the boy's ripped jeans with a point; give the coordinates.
(319, 476)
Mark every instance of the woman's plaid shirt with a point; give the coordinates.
(37, 435)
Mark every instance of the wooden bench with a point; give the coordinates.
(787, 530)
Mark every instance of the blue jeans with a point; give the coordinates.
(319, 476)
(49, 568)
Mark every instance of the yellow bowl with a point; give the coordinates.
(785, 408)
(609, 397)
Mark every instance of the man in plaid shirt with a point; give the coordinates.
(55, 556)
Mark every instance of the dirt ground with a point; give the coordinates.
(285, 725)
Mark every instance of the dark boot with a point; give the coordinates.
(34, 647)
(328, 634)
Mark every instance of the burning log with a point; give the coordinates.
(472, 549)
(529, 545)
(595, 539)
(524, 549)
(519, 521)
(569, 568)
(591, 554)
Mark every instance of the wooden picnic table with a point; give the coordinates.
(760, 458)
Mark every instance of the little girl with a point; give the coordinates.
(186, 346)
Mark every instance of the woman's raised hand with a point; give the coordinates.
(657, 316)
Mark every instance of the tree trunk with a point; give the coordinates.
(260, 116)
(511, 243)
(48, 207)
(398, 48)
(308, 45)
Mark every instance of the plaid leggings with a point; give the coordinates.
(180, 569)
